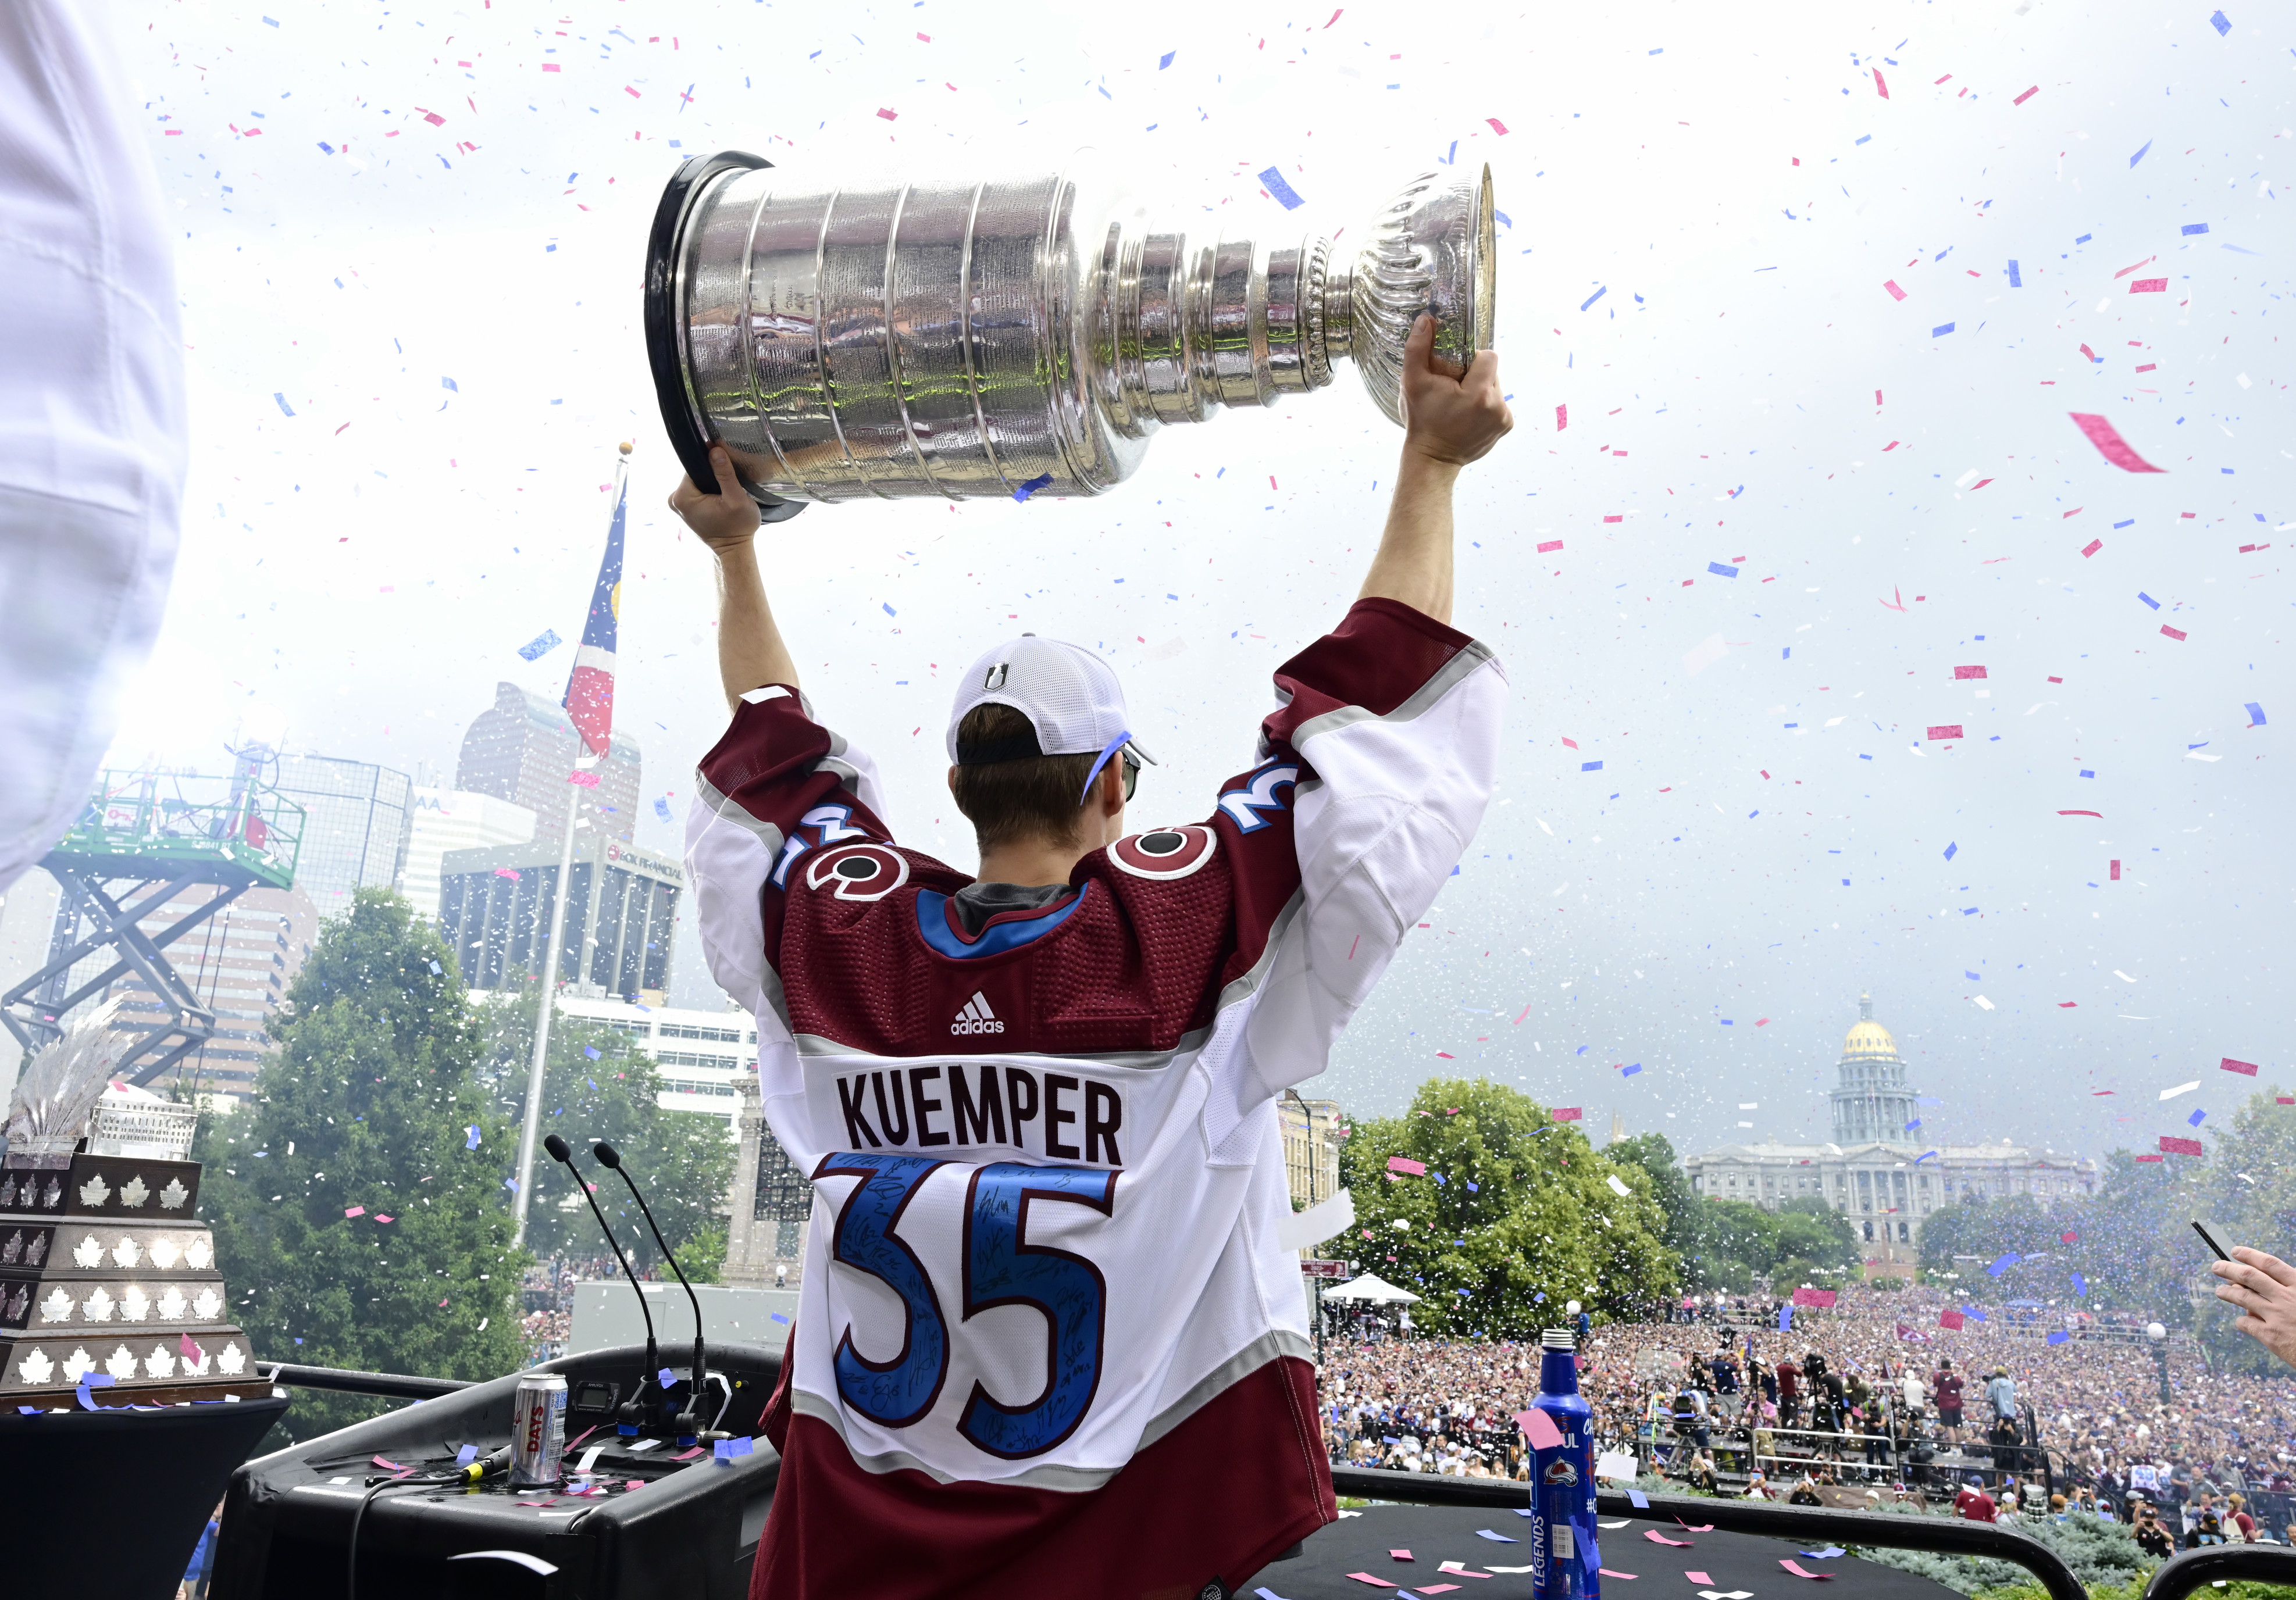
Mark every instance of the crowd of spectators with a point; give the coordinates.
(1870, 1393)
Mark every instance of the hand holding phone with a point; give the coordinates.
(2207, 1230)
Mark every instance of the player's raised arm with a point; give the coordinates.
(750, 653)
(1449, 419)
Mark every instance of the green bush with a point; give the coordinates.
(2104, 1555)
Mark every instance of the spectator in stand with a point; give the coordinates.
(1725, 1368)
(1758, 1487)
(1973, 1504)
(2001, 1389)
(2208, 1526)
(1789, 1393)
(2264, 1287)
(1805, 1493)
(2152, 1537)
(2240, 1526)
(1945, 1383)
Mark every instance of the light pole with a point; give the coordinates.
(2159, 1336)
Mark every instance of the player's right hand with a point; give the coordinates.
(724, 521)
(1447, 415)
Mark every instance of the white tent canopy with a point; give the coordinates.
(1372, 1290)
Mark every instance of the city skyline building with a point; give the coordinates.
(522, 748)
(1885, 1183)
(357, 819)
(495, 906)
(446, 819)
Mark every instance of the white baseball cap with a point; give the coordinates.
(1069, 694)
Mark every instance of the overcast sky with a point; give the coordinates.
(397, 227)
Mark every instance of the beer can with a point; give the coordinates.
(538, 1429)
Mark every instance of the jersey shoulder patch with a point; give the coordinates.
(1164, 854)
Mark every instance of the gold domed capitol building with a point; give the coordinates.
(1875, 1170)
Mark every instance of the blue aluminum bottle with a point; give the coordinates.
(1562, 1482)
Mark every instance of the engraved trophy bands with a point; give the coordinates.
(975, 340)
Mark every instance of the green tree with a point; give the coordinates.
(1518, 1215)
(1738, 1242)
(598, 1085)
(1811, 1229)
(365, 1108)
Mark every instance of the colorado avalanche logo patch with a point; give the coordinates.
(1166, 853)
(859, 871)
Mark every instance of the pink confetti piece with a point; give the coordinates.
(1606, 1572)
(2179, 1147)
(2149, 286)
(687, 1455)
(2230, 1065)
(2108, 442)
(434, 119)
(634, 1483)
(552, 67)
(2026, 95)
(2172, 633)
(1942, 730)
(1562, 418)
(389, 1465)
(1568, 1114)
(1405, 1165)
(1377, 1583)
(2098, 815)
(1960, 672)
(1401, 1554)
(1539, 1428)
(1550, 544)
(887, 113)
(1700, 1578)
(192, 1351)
(1880, 88)
(356, 1210)
(1497, 127)
(1656, 1537)
(1891, 285)
(2092, 547)
(380, 1218)
(1437, 1588)
(1799, 1571)
(1693, 1527)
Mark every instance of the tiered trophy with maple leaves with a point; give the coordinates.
(109, 1291)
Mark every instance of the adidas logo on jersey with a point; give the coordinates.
(976, 1018)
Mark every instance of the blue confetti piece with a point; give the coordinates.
(1471, 1188)
(2002, 1263)
(1167, 61)
(661, 809)
(1042, 480)
(1505, 220)
(1591, 298)
(1926, 1155)
(2088, 772)
(1951, 851)
(2014, 280)
(2221, 23)
(1913, 1124)
(1785, 1320)
(1830, 1553)
(1973, 977)
(2084, 239)
(665, 1377)
(268, 22)
(1942, 330)
(29, 1410)
(889, 608)
(1718, 570)
(283, 406)
(2059, 1337)
(1590, 767)
(2197, 1118)
(449, 383)
(541, 645)
(2255, 715)
(473, 1131)
(591, 1050)
(466, 1455)
(1283, 193)
(1496, 1539)
(1786, 654)
(1264, 1594)
(1972, 1313)
(779, 1317)
(2080, 1283)
(1628, 1071)
(2130, 522)
(2140, 153)
(2148, 600)
(2191, 228)
(327, 147)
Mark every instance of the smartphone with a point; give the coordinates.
(2207, 1230)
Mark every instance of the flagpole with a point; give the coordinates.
(531, 1124)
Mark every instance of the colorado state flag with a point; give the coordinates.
(590, 691)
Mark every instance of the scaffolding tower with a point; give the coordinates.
(144, 837)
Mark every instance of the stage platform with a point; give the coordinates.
(1434, 1534)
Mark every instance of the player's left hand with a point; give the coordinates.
(1449, 415)
(724, 521)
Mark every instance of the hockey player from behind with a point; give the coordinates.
(1048, 1343)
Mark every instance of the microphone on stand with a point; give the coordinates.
(632, 1411)
(610, 1156)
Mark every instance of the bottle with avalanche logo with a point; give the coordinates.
(1562, 1481)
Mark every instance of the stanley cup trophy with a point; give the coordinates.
(969, 341)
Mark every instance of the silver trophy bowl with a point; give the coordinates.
(968, 340)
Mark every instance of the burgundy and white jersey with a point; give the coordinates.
(1048, 1342)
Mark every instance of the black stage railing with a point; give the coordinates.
(1806, 1523)
(2190, 1570)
